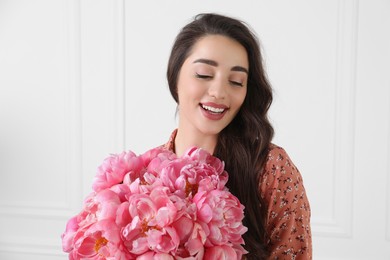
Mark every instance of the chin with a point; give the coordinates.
(212, 131)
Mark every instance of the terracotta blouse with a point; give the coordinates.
(282, 189)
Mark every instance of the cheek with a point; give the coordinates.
(181, 89)
(189, 89)
(240, 97)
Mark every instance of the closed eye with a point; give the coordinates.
(202, 76)
(236, 83)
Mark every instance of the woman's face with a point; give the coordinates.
(212, 84)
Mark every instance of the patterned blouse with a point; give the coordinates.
(288, 223)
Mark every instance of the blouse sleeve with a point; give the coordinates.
(288, 222)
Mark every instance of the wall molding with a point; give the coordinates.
(119, 69)
(74, 182)
(340, 224)
(62, 210)
(388, 177)
(74, 103)
(31, 248)
(72, 75)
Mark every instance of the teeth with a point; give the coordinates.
(213, 109)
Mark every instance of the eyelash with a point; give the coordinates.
(235, 83)
(200, 76)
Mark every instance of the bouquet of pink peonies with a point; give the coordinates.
(158, 206)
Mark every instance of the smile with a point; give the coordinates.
(213, 109)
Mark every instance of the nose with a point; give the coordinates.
(217, 89)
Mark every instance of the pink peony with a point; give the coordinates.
(223, 214)
(203, 157)
(158, 206)
(99, 241)
(115, 167)
(149, 228)
(67, 237)
(197, 170)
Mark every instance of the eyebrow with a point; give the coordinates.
(215, 64)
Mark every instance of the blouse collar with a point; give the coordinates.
(170, 145)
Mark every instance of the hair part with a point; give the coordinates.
(244, 144)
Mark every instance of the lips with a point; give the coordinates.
(213, 111)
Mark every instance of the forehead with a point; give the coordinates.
(222, 49)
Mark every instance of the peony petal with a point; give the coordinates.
(183, 228)
(87, 247)
(223, 252)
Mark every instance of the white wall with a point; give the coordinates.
(80, 79)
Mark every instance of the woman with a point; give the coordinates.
(216, 76)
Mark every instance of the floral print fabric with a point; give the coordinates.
(288, 214)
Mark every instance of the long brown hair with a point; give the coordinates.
(243, 144)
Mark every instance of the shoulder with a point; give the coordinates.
(280, 178)
(279, 171)
(281, 185)
(278, 157)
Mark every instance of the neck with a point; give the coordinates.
(186, 139)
